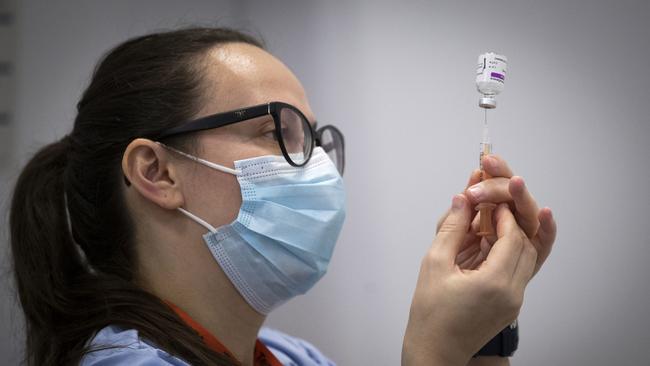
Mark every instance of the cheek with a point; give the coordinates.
(213, 196)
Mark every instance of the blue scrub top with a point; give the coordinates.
(132, 350)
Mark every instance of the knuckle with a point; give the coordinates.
(433, 258)
(496, 287)
(503, 298)
(521, 238)
(450, 226)
(531, 250)
(439, 225)
(499, 292)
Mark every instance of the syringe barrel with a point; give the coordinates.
(486, 149)
(485, 209)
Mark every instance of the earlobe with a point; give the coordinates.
(146, 165)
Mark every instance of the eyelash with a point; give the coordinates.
(271, 134)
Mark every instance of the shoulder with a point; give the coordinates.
(291, 350)
(113, 345)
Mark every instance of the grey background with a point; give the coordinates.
(397, 77)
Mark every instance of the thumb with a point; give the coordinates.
(454, 228)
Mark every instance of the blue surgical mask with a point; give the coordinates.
(282, 240)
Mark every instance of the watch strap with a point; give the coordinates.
(503, 344)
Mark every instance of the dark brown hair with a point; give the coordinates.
(73, 280)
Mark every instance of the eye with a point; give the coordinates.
(271, 134)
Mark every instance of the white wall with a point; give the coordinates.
(397, 77)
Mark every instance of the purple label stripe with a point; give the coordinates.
(498, 76)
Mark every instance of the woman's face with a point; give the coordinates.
(238, 75)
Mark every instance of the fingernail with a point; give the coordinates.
(519, 185)
(457, 202)
(550, 212)
(476, 192)
(491, 163)
(523, 182)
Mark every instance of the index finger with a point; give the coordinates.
(496, 166)
(527, 209)
(505, 252)
(474, 178)
(450, 237)
(545, 236)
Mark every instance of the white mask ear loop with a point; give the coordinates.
(198, 220)
(209, 164)
(202, 161)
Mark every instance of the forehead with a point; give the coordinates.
(241, 75)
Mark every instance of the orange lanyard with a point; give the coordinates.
(263, 356)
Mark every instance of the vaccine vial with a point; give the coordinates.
(490, 78)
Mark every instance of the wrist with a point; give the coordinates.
(415, 352)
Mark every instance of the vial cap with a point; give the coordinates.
(487, 102)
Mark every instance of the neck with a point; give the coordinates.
(194, 282)
(234, 324)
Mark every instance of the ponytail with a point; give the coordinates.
(45, 259)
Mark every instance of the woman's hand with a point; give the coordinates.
(520, 213)
(504, 187)
(456, 311)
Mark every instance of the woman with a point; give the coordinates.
(195, 194)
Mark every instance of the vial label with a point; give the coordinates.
(497, 77)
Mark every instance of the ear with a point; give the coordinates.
(149, 169)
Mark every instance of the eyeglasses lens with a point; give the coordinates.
(296, 135)
(332, 142)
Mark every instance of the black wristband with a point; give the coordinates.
(503, 344)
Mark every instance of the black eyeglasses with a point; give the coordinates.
(293, 131)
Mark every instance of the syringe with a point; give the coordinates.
(485, 209)
(490, 79)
